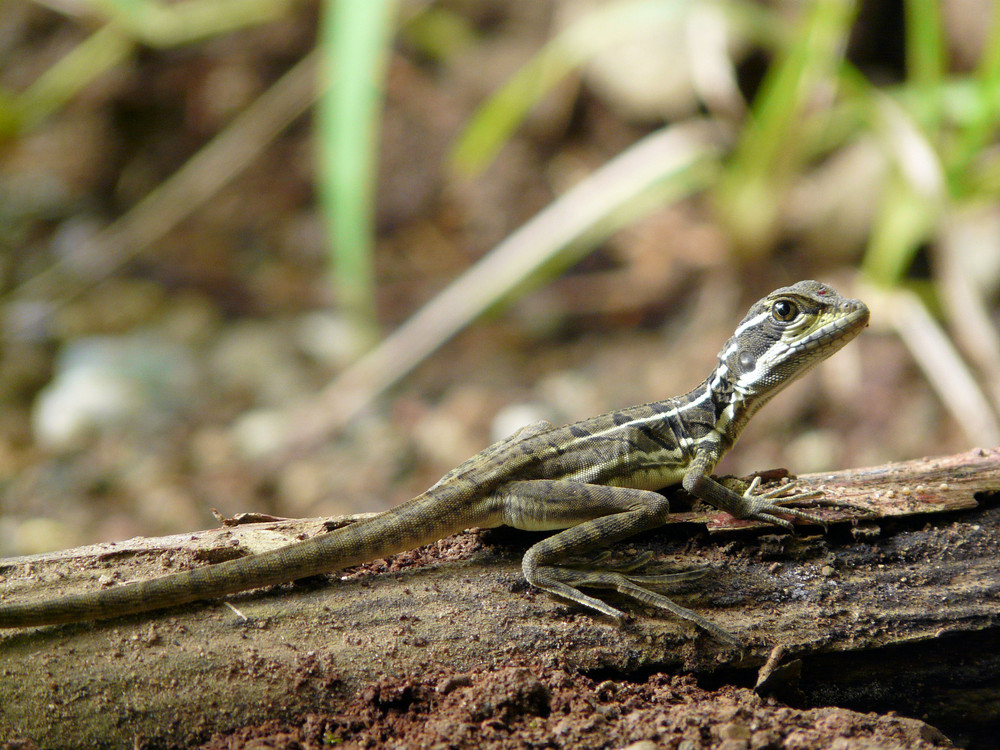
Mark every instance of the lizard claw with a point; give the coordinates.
(763, 506)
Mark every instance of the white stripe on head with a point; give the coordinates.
(750, 323)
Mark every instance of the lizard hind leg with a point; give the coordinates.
(593, 517)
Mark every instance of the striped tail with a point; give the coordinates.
(412, 524)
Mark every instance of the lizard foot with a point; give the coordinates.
(816, 498)
(763, 506)
(628, 586)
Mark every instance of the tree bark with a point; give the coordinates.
(895, 606)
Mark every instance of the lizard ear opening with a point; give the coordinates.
(746, 360)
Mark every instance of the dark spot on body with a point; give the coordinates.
(665, 443)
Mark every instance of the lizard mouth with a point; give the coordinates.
(834, 330)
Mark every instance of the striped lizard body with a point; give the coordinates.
(593, 481)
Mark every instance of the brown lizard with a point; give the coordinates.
(593, 481)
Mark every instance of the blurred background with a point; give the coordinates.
(302, 258)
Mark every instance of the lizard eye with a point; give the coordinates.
(784, 310)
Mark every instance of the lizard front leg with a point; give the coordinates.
(593, 517)
(751, 505)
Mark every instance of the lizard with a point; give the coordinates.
(594, 482)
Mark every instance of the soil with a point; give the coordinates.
(518, 707)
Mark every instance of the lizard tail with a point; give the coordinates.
(409, 525)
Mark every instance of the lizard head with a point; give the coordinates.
(785, 334)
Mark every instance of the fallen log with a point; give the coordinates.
(895, 607)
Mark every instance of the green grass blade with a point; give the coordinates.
(971, 141)
(355, 38)
(770, 149)
(913, 199)
(925, 56)
(438, 33)
(494, 122)
(132, 21)
(101, 51)
(158, 24)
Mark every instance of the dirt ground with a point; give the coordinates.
(521, 707)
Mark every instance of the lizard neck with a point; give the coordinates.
(731, 406)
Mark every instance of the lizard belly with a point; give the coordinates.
(648, 478)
